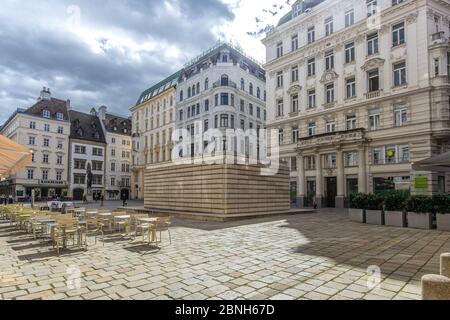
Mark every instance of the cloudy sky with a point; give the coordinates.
(106, 52)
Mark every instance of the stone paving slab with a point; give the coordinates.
(317, 256)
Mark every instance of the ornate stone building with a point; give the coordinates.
(153, 119)
(221, 89)
(44, 128)
(358, 91)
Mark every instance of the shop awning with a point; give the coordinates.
(13, 157)
(440, 163)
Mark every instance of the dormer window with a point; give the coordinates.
(59, 116)
(80, 132)
(224, 58)
(115, 128)
(46, 114)
(297, 10)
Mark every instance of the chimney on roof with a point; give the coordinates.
(93, 112)
(102, 113)
(68, 105)
(45, 94)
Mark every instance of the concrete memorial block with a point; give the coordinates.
(445, 265)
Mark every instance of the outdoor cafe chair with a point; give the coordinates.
(94, 227)
(162, 225)
(138, 226)
(121, 222)
(66, 229)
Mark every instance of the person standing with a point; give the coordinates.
(124, 199)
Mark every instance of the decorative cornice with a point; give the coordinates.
(329, 76)
(294, 89)
(373, 63)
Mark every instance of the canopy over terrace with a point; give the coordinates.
(440, 163)
(13, 157)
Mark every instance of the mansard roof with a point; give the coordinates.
(86, 127)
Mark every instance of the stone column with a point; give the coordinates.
(300, 182)
(340, 180)
(319, 181)
(362, 173)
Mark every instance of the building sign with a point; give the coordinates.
(421, 183)
(52, 182)
(332, 139)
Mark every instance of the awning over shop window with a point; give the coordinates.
(440, 163)
(13, 157)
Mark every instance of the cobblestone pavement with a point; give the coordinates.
(314, 256)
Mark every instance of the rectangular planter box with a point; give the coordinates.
(375, 217)
(420, 220)
(443, 222)
(395, 218)
(357, 215)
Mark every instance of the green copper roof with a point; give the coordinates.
(161, 87)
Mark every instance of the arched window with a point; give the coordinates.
(206, 84)
(250, 89)
(224, 80)
(189, 92)
(193, 90)
(242, 84)
(258, 93)
(198, 88)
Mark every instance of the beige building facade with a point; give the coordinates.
(359, 91)
(153, 122)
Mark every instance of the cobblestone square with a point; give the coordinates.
(312, 256)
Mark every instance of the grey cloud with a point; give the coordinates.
(32, 55)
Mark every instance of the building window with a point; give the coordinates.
(242, 84)
(181, 95)
(401, 117)
(44, 174)
(374, 80)
(46, 127)
(371, 7)
(310, 163)
(329, 60)
(280, 79)
(206, 84)
(372, 44)
(258, 112)
(181, 115)
(97, 152)
(311, 99)
(331, 126)
(30, 174)
(79, 179)
(250, 89)
(280, 108)
(58, 176)
(243, 124)
(46, 142)
(351, 159)
(31, 141)
(311, 34)
(294, 42)
(224, 80)
(294, 74)
(281, 136)
(293, 163)
(224, 121)
(349, 17)
(329, 26)
(436, 67)
(399, 74)
(350, 88)
(59, 160)
(206, 125)
(351, 122)
(374, 121)
(396, 2)
(206, 105)
(242, 106)
(113, 167)
(398, 34)
(329, 93)
(330, 161)
(59, 116)
(311, 67)
(295, 134)
(295, 103)
(32, 125)
(46, 114)
(224, 99)
(350, 52)
(279, 50)
(79, 164)
(45, 158)
(258, 93)
(60, 130)
(312, 129)
(250, 109)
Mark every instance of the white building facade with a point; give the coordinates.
(44, 128)
(87, 156)
(358, 91)
(118, 155)
(221, 89)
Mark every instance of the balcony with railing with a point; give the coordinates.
(221, 83)
(438, 38)
(374, 94)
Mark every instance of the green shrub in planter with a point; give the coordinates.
(358, 202)
(394, 203)
(374, 213)
(420, 212)
(441, 204)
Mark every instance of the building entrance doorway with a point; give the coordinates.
(331, 191)
(78, 194)
(311, 193)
